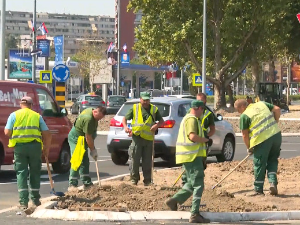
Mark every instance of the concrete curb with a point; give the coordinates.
(237, 134)
(46, 211)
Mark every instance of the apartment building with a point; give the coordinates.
(73, 27)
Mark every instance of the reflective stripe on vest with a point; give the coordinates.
(206, 114)
(186, 150)
(263, 124)
(139, 127)
(26, 127)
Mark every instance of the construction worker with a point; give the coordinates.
(30, 137)
(85, 125)
(208, 126)
(143, 124)
(190, 150)
(262, 137)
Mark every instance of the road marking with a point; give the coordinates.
(101, 160)
(289, 150)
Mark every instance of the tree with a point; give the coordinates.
(10, 42)
(91, 57)
(172, 31)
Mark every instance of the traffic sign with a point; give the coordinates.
(46, 77)
(197, 79)
(60, 73)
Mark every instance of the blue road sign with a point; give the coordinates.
(197, 79)
(46, 76)
(60, 73)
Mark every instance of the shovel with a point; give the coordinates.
(60, 194)
(241, 162)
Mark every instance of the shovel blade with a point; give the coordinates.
(58, 193)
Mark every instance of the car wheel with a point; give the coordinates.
(228, 150)
(119, 157)
(63, 163)
(171, 159)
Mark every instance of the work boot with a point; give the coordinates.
(87, 187)
(172, 204)
(36, 203)
(273, 189)
(72, 188)
(147, 184)
(134, 182)
(22, 206)
(255, 193)
(197, 218)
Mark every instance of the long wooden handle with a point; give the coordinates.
(152, 166)
(96, 162)
(178, 178)
(232, 171)
(49, 172)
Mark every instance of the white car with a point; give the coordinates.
(172, 110)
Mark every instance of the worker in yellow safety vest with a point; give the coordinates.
(144, 116)
(262, 137)
(190, 151)
(30, 137)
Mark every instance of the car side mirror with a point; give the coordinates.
(63, 111)
(220, 117)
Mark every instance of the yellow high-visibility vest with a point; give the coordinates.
(263, 124)
(139, 127)
(206, 114)
(26, 128)
(186, 150)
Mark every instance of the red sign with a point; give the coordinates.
(41, 37)
(298, 16)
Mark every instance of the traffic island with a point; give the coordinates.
(117, 200)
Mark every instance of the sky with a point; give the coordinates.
(81, 7)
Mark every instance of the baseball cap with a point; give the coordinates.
(27, 99)
(145, 95)
(197, 103)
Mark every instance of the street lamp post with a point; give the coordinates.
(2, 52)
(34, 44)
(118, 49)
(204, 49)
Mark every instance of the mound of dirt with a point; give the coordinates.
(230, 196)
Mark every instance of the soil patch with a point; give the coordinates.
(231, 196)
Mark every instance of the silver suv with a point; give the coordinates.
(172, 110)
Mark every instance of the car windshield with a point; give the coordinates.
(164, 109)
(93, 98)
(117, 99)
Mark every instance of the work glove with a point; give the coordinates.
(94, 154)
(250, 151)
(210, 142)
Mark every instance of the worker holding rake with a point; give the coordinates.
(262, 137)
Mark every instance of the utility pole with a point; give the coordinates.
(2, 61)
(181, 82)
(34, 44)
(204, 50)
(118, 46)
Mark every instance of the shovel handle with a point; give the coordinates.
(232, 170)
(49, 173)
(178, 178)
(98, 176)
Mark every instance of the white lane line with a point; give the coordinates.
(291, 150)
(101, 160)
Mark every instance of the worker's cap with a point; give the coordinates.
(197, 104)
(27, 100)
(145, 95)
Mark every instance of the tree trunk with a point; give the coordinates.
(271, 69)
(255, 74)
(220, 100)
(230, 94)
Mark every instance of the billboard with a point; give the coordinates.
(20, 64)
(59, 49)
(125, 58)
(295, 72)
(44, 46)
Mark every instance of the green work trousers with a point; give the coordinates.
(84, 169)
(140, 148)
(194, 185)
(28, 161)
(266, 156)
(184, 177)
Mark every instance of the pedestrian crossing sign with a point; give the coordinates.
(46, 76)
(197, 79)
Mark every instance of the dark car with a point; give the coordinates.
(86, 101)
(114, 103)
